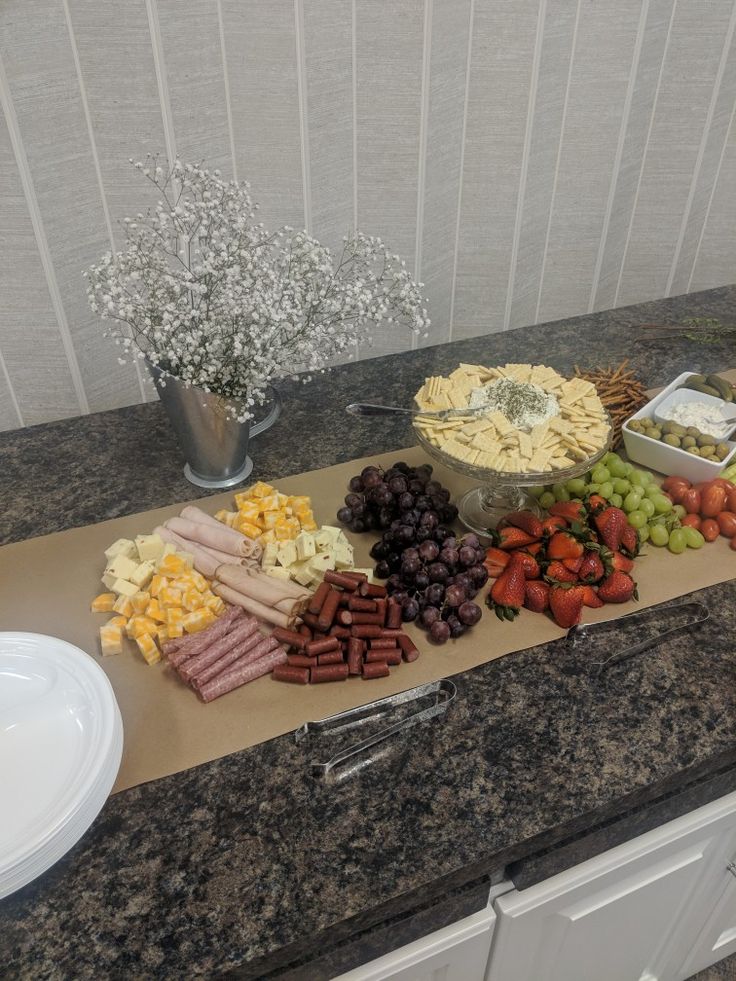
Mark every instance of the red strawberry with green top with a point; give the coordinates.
(496, 556)
(621, 562)
(531, 566)
(591, 598)
(619, 587)
(508, 593)
(611, 524)
(630, 541)
(573, 564)
(509, 538)
(566, 604)
(563, 545)
(537, 596)
(527, 521)
(559, 573)
(553, 524)
(570, 510)
(592, 568)
(595, 501)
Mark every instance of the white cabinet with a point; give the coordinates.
(658, 908)
(458, 952)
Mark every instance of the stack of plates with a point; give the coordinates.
(61, 740)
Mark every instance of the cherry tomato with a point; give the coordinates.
(669, 482)
(712, 501)
(726, 521)
(691, 521)
(727, 485)
(733, 544)
(731, 499)
(675, 488)
(691, 501)
(709, 529)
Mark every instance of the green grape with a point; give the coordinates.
(652, 491)
(678, 541)
(643, 533)
(615, 500)
(601, 474)
(560, 492)
(628, 470)
(679, 510)
(647, 506)
(646, 476)
(609, 457)
(631, 501)
(621, 486)
(606, 489)
(593, 488)
(576, 486)
(658, 535)
(637, 519)
(618, 468)
(536, 491)
(636, 479)
(547, 500)
(661, 504)
(694, 537)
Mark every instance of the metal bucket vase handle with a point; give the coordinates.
(214, 445)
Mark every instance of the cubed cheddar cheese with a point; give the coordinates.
(162, 633)
(271, 519)
(119, 621)
(170, 596)
(198, 580)
(300, 505)
(111, 639)
(198, 619)
(307, 522)
(248, 528)
(140, 624)
(157, 583)
(216, 604)
(154, 611)
(124, 606)
(103, 603)
(147, 647)
(260, 489)
(267, 538)
(287, 528)
(227, 517)
(191, 600)
(139, 601)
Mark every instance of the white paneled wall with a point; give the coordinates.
(530, 159)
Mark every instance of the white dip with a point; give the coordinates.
(696, 414)
(524, 404)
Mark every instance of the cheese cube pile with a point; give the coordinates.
(155, 594)
(268, 516)
(309, 556)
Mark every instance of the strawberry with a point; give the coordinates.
(595, 501)
(566, 604)
(571, 510)
(531, 566)
(556, 571)
(619, 587)
(537, 596)
(591, 598)
(573, 564)
(610, 524)
(630, 541)
(621, 562)
(553, 524)
(527, 521)
(510, 537)
(591, 568)
(495, 556)
(534, 547)
(508, 593)
(563, 546)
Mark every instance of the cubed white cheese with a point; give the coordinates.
(150, 547)
(301, 573)
(320, 563)
(109, 579)
(124, 588)
(121, 567)
(305, 546)
(287, 555)
(277, 572)
(270, 555)
(326, 537)
(143, 574)
(343, 556)
(123, 546)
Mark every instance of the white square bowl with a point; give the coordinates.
(655, 455)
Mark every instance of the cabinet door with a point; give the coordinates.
(458, 952)
(632, 913)
(717, 939)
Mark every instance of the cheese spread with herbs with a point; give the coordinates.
(532, 420)
(699, 415)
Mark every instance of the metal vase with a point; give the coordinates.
(214, 444)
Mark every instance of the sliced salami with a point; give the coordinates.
(179, 649)
(241, 675)
(242, 631)
(250, 650)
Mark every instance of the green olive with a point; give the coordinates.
(687, 441)
(694, 450)
(647, 423)
(707, 451)
(705, 439)
(722, 451)
(670, 439)
(635, 426)
(692, 431)
(655, 433)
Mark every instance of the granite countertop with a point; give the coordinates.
(246, 865)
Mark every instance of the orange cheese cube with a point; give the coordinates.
(123, 606)
(169, 596)
(117, 622)
(307, 522)
(266, 537)
(270, 502)
(162, 633)
(157, 584)
(248, 529)
(103, 603)
(138, 625)
(259, 489)
(147, 647)
(154, 611)
(139, 601)
(198, 580)
(227, 517)
(300, 505)
(172, 565)
(191, 600)
(286, 529)
(198, 619)
(271, 519)
(111, 639)
(248, 510)
(215, 604)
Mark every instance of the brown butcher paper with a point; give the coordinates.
(48, 583)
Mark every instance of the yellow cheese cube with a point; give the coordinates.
(227, 517)
(215, 604)
(287, 528)
(111, 639)
(174, 616)
(147, 647)
(247, 528)
(157, 584)
(300, 505)
(103, 603)
(270, 502)
(307, 521)
(259, 489)
(267, 538)
(169, 596)
(162, 633)
(124, 606)
(121, 567)
(191, 600)
(243, 501)
(117, 622)
(172, 565)
(271, 519)
(138, 625)
(140, 601)
(199, 581)
(198, 619)
(175, 630)
(249, 511)
(154, 611)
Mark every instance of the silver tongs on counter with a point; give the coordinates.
(634, 633)
(401, 711)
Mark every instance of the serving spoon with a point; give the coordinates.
(367, 409)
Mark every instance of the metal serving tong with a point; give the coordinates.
(367, 409)
(644, 629)
(409, 707)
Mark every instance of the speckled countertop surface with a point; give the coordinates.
(245, 864)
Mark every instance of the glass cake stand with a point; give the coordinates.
(498, 492)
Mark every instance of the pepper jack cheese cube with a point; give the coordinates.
(124, 606)
(150, 547)
(111, 639)
(147, 647)
(108, 580)
(305, 545)
(270, 554)
(320, 563)
(123, 546)
(343, 556)
(143, 574)
(124, 588)
(103, 603)
(301, 573)
(287, 554)
(121, 568)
